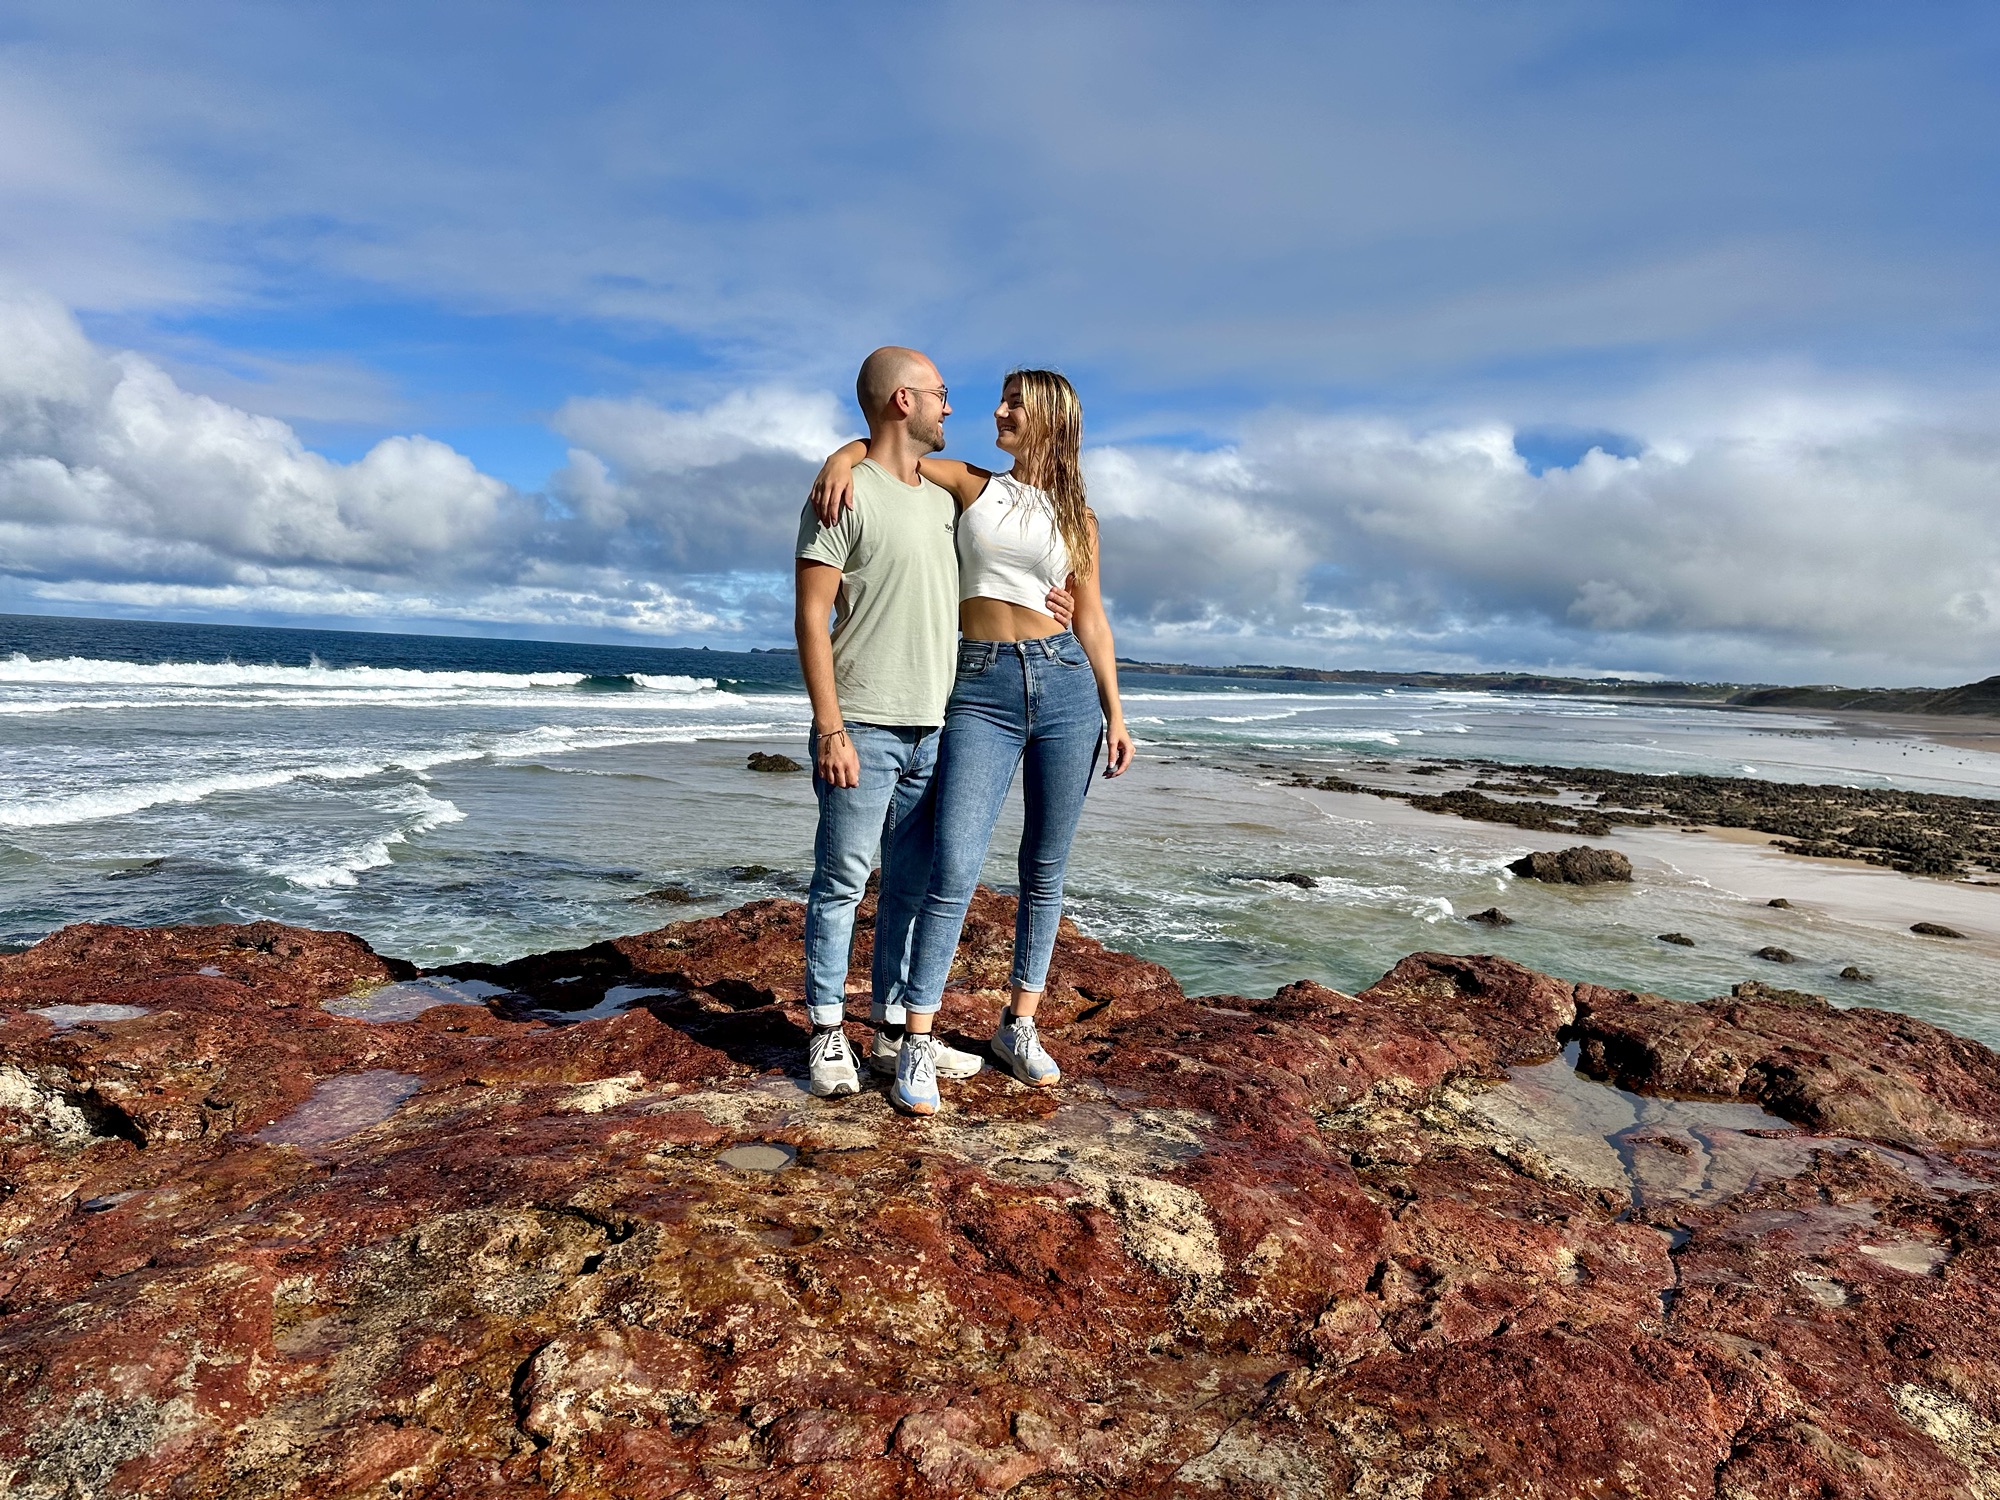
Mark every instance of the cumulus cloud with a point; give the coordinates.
(1790, 533)
(708, 490)
(1787, 530)
(120, 488)
(105, 460)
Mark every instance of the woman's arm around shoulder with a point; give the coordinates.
(967, 482)
(833, 486)
(1093, 632)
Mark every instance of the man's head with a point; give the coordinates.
(900, 388)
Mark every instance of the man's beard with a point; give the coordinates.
(926, 433)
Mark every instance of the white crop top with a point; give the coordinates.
(1009, 547)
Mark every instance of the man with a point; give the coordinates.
(888, 573)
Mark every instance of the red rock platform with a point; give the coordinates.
(1285, 1246)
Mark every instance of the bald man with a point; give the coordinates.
(888, 574)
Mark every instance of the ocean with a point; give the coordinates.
(451, 798)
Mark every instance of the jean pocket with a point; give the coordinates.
(974, 663)
(1072, 655)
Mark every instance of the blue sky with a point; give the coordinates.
(1352, 293)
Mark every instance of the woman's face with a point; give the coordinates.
(1010, 419)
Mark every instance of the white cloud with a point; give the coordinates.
(119, 488)
(709, 490)
(104, 456)
(1776, 528)
(1836, 531)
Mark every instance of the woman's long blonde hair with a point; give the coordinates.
(1050, 458)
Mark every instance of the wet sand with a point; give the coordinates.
(1960, 731)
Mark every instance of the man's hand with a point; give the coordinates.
(835, 760)
(1062, 607)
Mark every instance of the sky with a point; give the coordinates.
(1659, 339)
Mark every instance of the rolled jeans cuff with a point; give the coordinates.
(827, 1015)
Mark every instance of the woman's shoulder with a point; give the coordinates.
(965, 482)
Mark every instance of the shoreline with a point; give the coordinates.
(1739, 863)
(1944, 834)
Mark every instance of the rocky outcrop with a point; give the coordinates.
(1270, 1246)
(1582, 865)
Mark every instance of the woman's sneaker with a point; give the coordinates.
(1018, 1046)
(915, 1088)
(951, 1063)
(830, 1064)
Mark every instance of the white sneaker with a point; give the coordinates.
(830, 1064)
(1018, 1046)
(915, 1090)
(951, 1063)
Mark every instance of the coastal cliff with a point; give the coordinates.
(577, 1231)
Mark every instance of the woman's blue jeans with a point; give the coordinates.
(1028, 704)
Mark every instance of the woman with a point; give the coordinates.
(1028, 693)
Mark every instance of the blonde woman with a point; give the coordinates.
(1028, 695)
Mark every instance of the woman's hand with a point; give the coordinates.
(833, 489)
(1118, 749)
(1061, 607)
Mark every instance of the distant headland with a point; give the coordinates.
(1977, 698)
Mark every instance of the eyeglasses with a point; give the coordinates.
(943, 392)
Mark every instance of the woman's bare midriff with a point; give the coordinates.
(997, 620)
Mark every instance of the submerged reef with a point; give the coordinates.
(281, 1217)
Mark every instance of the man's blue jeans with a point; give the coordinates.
(1028, 704)
(893, 807)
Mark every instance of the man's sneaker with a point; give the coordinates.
(915, 1088)
(830, 1064)
(1018, 1047)
(951, 1063)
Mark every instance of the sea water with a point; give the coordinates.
(453, 798)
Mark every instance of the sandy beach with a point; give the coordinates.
(1959, 731)
(1734, 862)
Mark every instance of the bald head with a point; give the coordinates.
(887, 371)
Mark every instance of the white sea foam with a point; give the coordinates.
(422, 812)
(564, 739)
(90, 671)
(120, 802)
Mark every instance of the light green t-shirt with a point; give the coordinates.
(895, 624)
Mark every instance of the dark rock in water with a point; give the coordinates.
(133, 872)
(1303, 882)
(1263, 1246)
(1492, 917)
(1778, 901)
(1776, 955)
(748, 873)
(1935, 929)
(1856, 975)
(1678, 939)
(669, 895)
(759, 761)
(1582, 865)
